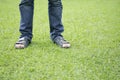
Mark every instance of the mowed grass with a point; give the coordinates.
(91, 26)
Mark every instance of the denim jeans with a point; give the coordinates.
(55, 15)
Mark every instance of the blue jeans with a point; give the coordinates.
(55, 15)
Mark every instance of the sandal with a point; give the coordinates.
(60, 41)
(22, 43)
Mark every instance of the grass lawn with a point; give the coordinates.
(91, 26)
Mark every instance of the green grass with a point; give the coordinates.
(92, 27)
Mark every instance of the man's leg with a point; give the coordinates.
(26, 11)
(56, 26)
(55, 16)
